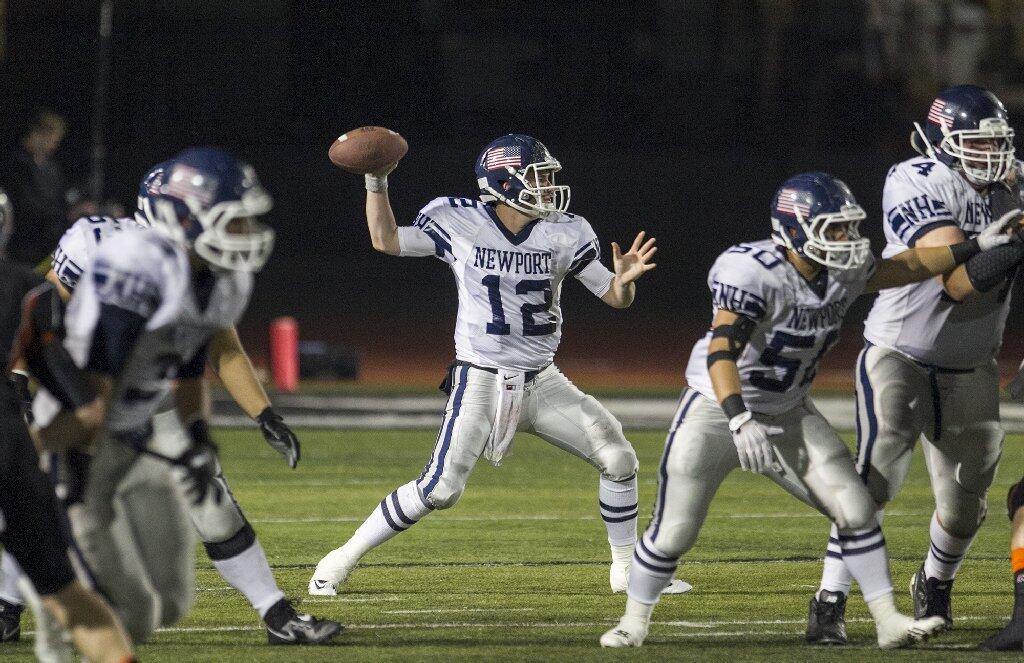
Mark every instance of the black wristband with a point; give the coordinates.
(199, 431)
(267, 415)
(733, 405)
(964, 251)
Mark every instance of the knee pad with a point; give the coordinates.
(618, 463)
(963, 519)
(1015, 498)
(445, 494)
(232, 546)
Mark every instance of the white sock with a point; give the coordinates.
(249, 573)
(639, 611)
(835, 577)
(867, 559)
(620, 554)
(619, 507)
(650, 572)
(883, 607)
(10, 572)
(396, 513)
(946, 552)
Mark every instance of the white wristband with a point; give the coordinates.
(376, 184)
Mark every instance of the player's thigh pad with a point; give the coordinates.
(216, 520)
(467, 423)
(157, 522)
(558, 412)
(699, 453)
(894, 405)
(813, 448)
(963, 460)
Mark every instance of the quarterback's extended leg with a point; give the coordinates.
(464, 431)
(699, 454)
(562, 415)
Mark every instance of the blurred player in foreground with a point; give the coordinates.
(778, 308)
(31, 526)
(143, 314)
(509, 252)
(228, 538)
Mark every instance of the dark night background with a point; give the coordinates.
(680, 118)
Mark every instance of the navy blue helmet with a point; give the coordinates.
(208, 201)
(816, 215)
(962, 114)
(519, 171)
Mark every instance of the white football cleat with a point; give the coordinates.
(618, 578)
(332, 572)
(902, 630)
(630, 632)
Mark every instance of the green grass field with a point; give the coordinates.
(518, 569)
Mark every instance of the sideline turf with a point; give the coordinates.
(518, 569)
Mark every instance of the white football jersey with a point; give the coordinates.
(509, 285)
(920, 320)
(148, 275)
(78, 245)
(796, 325)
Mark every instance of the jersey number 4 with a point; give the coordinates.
(499, 327)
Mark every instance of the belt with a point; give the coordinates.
(529, 375)
(932, 368)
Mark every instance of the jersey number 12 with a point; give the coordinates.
(499, 327)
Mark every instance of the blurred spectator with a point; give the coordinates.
(43, 202)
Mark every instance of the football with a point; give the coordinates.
(367, 150)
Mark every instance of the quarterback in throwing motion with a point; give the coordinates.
(778, 308)
(510, 252)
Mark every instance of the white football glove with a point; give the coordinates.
(751, 439)
(995, 234)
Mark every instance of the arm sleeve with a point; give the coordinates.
(741, 281)
(918, 198)
(586, 262)
(430, 233)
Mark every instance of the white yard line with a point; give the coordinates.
(532, 517)
(436, 610)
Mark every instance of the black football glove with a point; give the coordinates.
(279, 436)
(200, 464)
(19, 381)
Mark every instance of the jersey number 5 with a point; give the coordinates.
(499, 327)
(772, 357)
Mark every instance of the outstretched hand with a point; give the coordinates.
(633, 264)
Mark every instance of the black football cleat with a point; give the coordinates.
(287, 627)
(931, 597)
(1011, 638)
(826, 619)
(10, 621)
